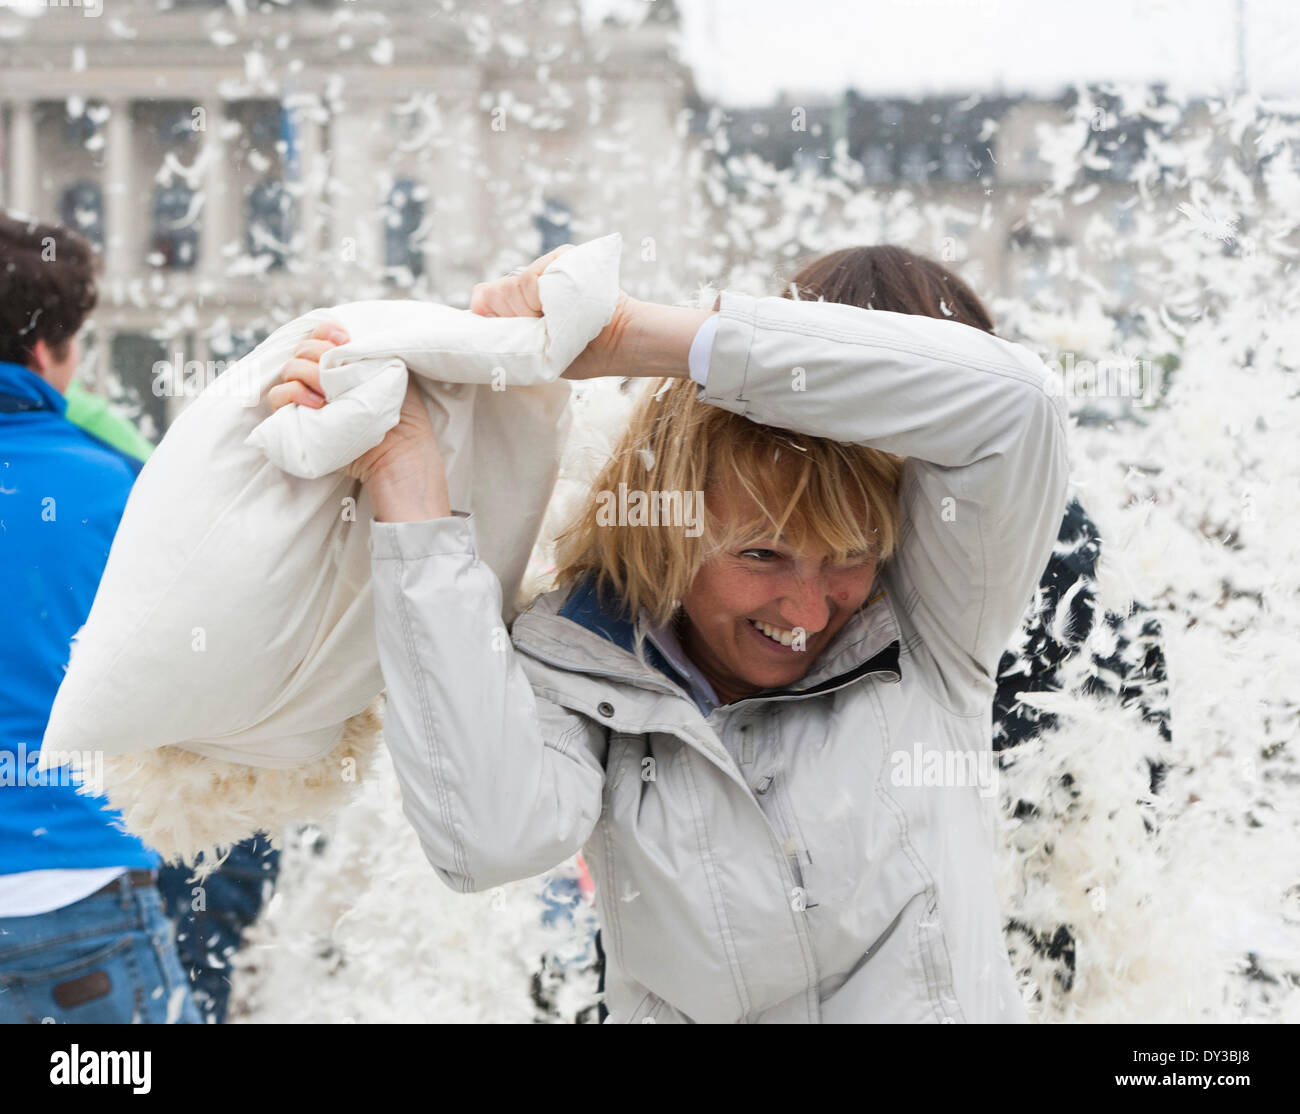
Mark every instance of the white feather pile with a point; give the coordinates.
(182, 803)
(362, 930)
(1193, 920)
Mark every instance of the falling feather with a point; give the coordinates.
(1183, 255)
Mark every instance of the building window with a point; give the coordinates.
(177, 126)
(81, 208)
(811, 161)
(1124, 157)
(270, 223)
(1034, 277)
(403, 216)
(1123, 283)
(552, 225)
(174, 243)
(916, 164)
(1122, 216)
(877, 164)
(85, 128)
(234, 344)
(1033, 167)
(132, 357)
(957, 164)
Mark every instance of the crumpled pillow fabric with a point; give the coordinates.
(234, 620)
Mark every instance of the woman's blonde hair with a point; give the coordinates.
(679, 452)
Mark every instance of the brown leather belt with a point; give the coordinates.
(138, 879)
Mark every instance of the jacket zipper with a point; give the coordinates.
(796, 894)
(789, 863)
(768, 784)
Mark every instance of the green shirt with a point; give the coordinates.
(94, 414)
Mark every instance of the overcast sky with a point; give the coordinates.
(744, 51)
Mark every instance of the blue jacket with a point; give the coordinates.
(62, 493)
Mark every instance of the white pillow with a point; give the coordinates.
(234, 619)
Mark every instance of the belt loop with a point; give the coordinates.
(124, 889)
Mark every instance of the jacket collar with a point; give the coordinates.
(585, 608)
(578, 632)
(22, 390)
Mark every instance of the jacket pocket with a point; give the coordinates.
(903, 978)
(68, 963)
(653, 1010)
(662, 897)
(935, 963)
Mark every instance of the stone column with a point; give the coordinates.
(355, 229)
(196, 348)
(21, 157)
(123, 250)
(312, 175)
(219, 192)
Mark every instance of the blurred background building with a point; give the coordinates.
(240, 162)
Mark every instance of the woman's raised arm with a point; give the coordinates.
(984, 486)
(499, 784)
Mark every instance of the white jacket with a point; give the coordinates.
(788, 858)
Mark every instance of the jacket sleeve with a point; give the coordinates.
(984, 484)
(499, 783)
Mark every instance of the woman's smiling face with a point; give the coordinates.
(758, 614)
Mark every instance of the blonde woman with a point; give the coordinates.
(768, 733)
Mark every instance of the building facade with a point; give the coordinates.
(240, 163)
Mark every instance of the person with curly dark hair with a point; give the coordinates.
(83, 934)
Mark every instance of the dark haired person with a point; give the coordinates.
(891, 278)
(83, 935)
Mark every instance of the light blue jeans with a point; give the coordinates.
(107, 959)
